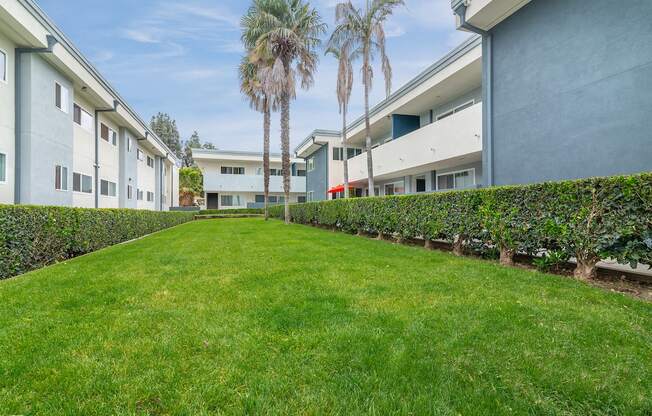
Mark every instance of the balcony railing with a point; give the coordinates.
(453, 137)
(216, 182)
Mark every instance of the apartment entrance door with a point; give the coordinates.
(212, 201)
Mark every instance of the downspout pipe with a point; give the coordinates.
(18, 105)
(488, 92)
(97, 148)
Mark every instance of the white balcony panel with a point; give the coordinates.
(455, 138)
(215, 182)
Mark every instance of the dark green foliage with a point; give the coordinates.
(35, 236)
(231, 211)
(590, 219)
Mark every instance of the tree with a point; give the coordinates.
(287, 31)
(252, 86)
(344, 87)
(166, 129)
(192, 143)
(364, 33)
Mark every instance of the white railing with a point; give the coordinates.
(216, 182)
(454, 136)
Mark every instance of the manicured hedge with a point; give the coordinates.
(589, 219)
(231, 211)
(35, 236)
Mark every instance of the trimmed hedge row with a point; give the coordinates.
(232, 211)
(588, 219)
(35, 236)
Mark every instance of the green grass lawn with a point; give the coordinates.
(247, 317)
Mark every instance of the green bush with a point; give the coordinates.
(589, 219)
(231, 211)
(35, 236)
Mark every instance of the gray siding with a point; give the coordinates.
(128, 170)
(46, 136)
(317, 180)
(573, 90)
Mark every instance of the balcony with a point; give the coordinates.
(216, 182)
(454, 140)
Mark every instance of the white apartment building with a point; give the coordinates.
(67, 138)
(426, 136)
(235, 179)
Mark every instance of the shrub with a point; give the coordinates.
(589, 219)
(35, 236)
(231, 211)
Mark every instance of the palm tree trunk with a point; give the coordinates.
(345, 154)
(367, 126)
(285, 150)
(266, 134)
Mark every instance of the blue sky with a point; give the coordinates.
(182, 57)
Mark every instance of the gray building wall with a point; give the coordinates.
(46, 136)
(317, 180)
(573, 90)
(128, 170)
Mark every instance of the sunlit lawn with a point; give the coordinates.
(240, 316)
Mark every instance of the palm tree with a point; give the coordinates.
(344, 87)
(364, 31)
(260, 100)
(288, 31)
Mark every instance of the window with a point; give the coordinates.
(108, 134)
(301, 172)
(130, 192)
(3, 168)
(311, 196)
(227, 170)
(273, 199)
(351, 152)
(107, 188)
(301, 199)
(82, 117)
(82, 183)
(150, 196)
(129, 144)
(310, 164)
(61, 96)
(60, 178)
(3, 66)
(376, 191)
(139, 194)
(140, 155)
(396, 188)
(456, 110)
(276, 172)
(150, 162)
(338, 153)
(260, 199)
(421, 184)
(456, 180)
(230, 200)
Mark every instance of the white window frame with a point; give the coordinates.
(81, 183)
(311, 196)
(148, 163)
(140, 155)
(81, 124)
(455, 110)
(64, 178)
(425, 180)
(470, 170)
(130, 144)
(153, 196)
(310, 164)
(109, 194)
(3, 173)
(113, 135)
(6, 68)
(63, 108)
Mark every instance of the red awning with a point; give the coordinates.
(338, 189)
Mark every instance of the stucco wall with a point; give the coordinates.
(573, 90)
(47, 134)
(7, 138)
